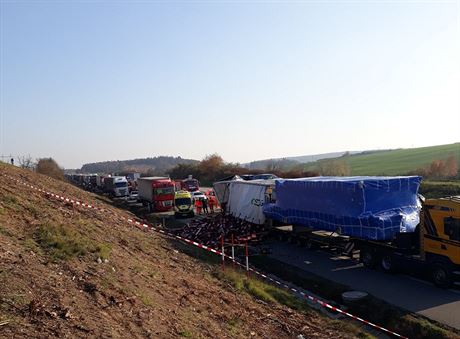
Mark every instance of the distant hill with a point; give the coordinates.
(395, 162)
(316, 157)
(290, 162)
(156, 165)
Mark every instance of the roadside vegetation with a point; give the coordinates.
(49, 167)
(213, 168)
(439, 189)
(438, 163)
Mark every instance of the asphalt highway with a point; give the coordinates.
(412, 294)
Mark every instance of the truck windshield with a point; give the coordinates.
(121, 184)
(183, 201)
(166, 190)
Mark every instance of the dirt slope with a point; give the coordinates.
(72, 272)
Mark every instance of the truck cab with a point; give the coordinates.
(157, 193)
(163, 195)
(190, 184)
(118, 186)
(432, 250)
(440, 238)
(183, 204)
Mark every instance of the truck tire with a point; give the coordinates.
(367, 257)
(387, 263)
(441, 276)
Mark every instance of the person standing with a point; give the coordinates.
(269, 193)
(205, 206)
(211, 203)
(198, 206)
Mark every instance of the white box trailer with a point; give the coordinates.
(116, 186)
(245, 199)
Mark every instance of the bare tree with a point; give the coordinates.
(26, 162)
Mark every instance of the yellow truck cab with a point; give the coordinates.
(433, 250)
(440, 238)
(183, 204)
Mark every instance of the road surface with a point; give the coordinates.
(415, 295)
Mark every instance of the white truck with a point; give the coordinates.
(116, 186)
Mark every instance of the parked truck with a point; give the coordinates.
(157, 193)
(90, 181)
(381, 220)
(100, 182)
(116, 186)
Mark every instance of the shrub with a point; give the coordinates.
(49, 167)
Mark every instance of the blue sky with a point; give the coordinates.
(86, 81)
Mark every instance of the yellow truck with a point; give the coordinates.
(183, 204)
(434, 247)
(440, 239)
(431, 251)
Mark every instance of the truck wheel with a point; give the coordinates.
(367, 257)
(441, 276)
(387, 263)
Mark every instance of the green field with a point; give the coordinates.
(396, 162)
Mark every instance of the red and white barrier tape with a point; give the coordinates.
(148, 226)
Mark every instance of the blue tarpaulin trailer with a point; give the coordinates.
(374, 208)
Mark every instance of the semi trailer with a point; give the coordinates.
(380, 220)
(245, 199)
(431, 251)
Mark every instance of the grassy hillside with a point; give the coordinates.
(396, 162)
(68, 271)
